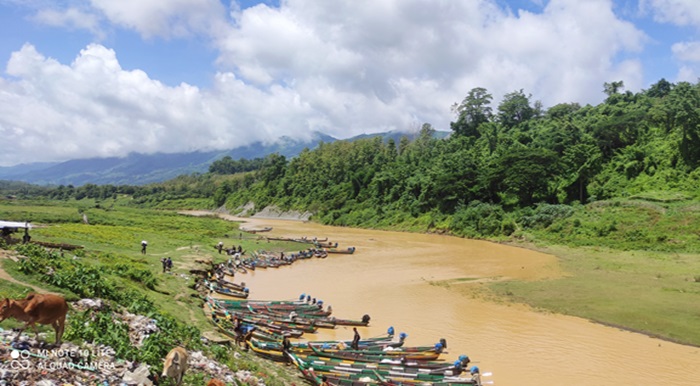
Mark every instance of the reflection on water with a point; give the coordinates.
(393, 277)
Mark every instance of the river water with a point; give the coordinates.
(399, 279)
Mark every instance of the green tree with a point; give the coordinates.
(515, 109)
(472, 112)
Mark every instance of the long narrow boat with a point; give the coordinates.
(414, 367)
(346, 371)
(227, 291)
(284, 306)
(348, 251)
(372, 356)
(261, 333)
(379, 341)
(293, 318)
(274, 355)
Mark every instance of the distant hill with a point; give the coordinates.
(141, 169)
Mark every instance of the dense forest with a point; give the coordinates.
(503, 167)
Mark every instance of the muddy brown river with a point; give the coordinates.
(399, 280)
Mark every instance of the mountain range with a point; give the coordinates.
(141, 169)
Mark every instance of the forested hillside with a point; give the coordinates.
(503, 168)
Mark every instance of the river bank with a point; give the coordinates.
(432, 286)
(652, 293)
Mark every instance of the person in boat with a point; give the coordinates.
(355, 345)
(324, 381)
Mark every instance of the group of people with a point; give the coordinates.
(167, 264)
(229, 251)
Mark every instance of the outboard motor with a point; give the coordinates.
(302, 296)
(443, 341)
(465, 360)
(438, 347)
(402, 337)
(246, 290)
(308, 298)
(390, 331)
(457, 369)
(365, 318)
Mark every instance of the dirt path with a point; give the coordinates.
(6, 276)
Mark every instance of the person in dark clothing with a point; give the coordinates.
(144, 244)
(355, 340)
(220, 246)
(164, 262)
(286, 344)
(169, 263)
(286, 349)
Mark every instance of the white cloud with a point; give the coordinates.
(341, 67)
(95, 108)
(172, 18)
(678, 12)
(72, 18)
(374, 48)
(687, 51)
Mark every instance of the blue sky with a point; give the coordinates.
(99, 78)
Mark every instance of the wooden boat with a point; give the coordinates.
(348, 251)
(227, 291)
(352, 371)
(266, 229)
(293, 318)
(275, 355)
(283, 306)
(378, 341)
(368, 355)
(228, 284)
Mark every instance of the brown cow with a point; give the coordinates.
(215, 382)
(37, 308)
(175, 364)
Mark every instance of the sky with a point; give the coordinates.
(104, 78)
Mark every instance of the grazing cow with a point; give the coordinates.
(215, 382)
(37, 308)
(175, 364)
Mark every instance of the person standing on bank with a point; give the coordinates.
(355, 340)
(144, 244)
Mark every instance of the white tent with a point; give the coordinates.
(15, 224)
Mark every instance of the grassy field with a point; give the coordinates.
(112, 252)
(655, 293)
(634, 264)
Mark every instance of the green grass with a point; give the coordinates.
(112, 246)
(651, 292)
